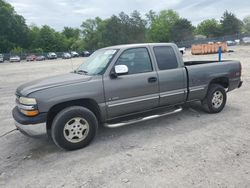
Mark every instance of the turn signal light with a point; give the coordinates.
(30, 112)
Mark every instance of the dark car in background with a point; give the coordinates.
(66, 55)
(41, 58)
(85, 54)
(15, 58)
(51, 55)
(1, 58)
(31, 58)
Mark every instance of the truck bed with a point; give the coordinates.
(189, 63)
(202, 73)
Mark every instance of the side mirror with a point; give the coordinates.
(121, 69)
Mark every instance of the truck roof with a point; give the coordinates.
(138, 45)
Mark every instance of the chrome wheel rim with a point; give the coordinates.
(76, 130)
(217, 99)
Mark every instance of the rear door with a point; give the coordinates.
(172, 76)
(136, 91)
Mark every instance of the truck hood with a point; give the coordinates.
(50, 82)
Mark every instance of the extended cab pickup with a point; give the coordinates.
(120, 85)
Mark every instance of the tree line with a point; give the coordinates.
(164, 26)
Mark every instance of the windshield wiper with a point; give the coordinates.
(81, 72)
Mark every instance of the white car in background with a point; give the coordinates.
(231, 43)
(246, 40)
(74, 54)
(15, 58)
(66, 55)
(182, 50)
(51, 55)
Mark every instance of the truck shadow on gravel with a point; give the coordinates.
(193, 117)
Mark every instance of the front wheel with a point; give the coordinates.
(74, 128)
(215, 100)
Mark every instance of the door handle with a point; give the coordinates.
(152, 79)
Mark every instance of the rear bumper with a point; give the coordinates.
(234, 83)
(30, 126)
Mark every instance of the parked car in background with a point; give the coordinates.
(182, 50)
(52, 55)
(31, 58)
(1, 58)
(66, 55)
(74, 54)
(237, 41)
(15, 58)
(40, 58)
(86, 54)
(246, 40)
(231, 43)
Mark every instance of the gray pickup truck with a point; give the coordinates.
(117, 86)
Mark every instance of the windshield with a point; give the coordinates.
(97, 62)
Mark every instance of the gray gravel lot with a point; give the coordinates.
(189, 149)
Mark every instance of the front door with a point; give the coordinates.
(136, 91)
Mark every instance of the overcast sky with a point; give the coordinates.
(60, 13)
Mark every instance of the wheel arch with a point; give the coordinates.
(223, 81)
(87, 103)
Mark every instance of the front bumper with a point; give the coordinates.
(35, 131)
(30, 126)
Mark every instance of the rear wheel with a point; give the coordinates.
(74, 128)
(215, 100)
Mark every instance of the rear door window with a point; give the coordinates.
(165, 57)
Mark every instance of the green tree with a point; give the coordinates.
(113, 33)
(137, 27)
(91, 33)
(34, 37)
(151, 16)
(13, 31)
(161, 24)
(230, 24)
(246, 22)
(17, 50)
(181, 30)
(72, 36)
(120, 29)
(209, 28)
(69, 32)
(50, 40)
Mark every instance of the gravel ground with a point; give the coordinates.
(189, 149)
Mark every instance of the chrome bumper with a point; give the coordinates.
(32, 130)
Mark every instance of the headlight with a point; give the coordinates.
(27, 101)
(28, 106)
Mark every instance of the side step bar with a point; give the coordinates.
(141, 119)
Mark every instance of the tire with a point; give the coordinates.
(74, 128)
(215, 100)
